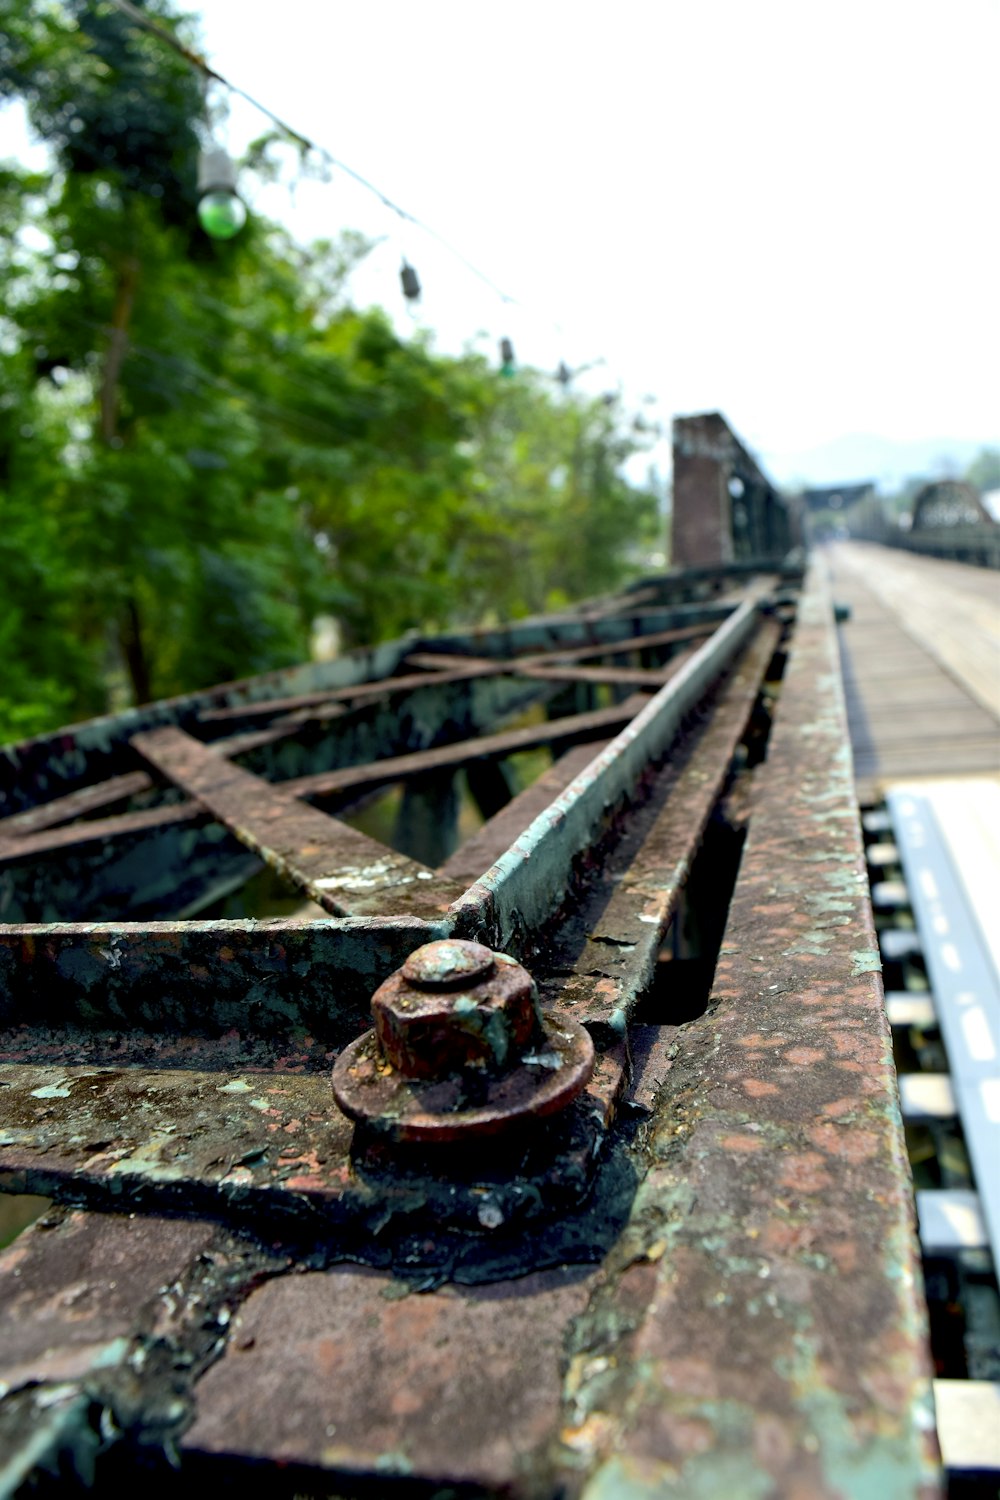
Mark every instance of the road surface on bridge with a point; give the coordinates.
(921, 664)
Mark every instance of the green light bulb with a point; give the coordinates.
(221, 215)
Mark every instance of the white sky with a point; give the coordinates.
(785, 210)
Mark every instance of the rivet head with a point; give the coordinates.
(445, 964)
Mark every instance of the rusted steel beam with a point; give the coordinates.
(257, 979)
(560, 731)
(601, 983)
(344, 779)
(444, 661)
(463, 1385)
(75, 805)
(763, 1311)
(343, 870)
(300, 709)
(103, 794)
(618, 957)
(269, 1145)
(439, 660)
(111, 1268)
(89, 1301)
(651, 677)
(480, 851)
(96, 830)
(523, 888)
(356, 693)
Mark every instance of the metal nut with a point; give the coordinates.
(455, 1005)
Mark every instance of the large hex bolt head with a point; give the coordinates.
(455, 1005)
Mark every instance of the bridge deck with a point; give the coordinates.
(921, 662)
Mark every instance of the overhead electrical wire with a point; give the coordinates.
(305, 143)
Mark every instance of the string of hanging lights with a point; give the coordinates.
(222, 212)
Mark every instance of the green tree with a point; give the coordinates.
(984, 470)
(557, 521)
(162, 558)
(204, 445)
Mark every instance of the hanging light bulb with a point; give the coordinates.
(410, 281)
(221, 211)
(506, 357)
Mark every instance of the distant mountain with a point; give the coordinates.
(862, 456)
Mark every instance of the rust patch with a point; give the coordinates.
(459, 1387)
(791, 1269)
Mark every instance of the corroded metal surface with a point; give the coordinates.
(105, 1272)
(526, 883)
(497, 834)
(339, 868)
(463, 1386)
(117, 1131)
(453, 1005)
(106, 1317)
(461, 1104)
(762, 1310)
(335, 782)
(267, 1146)
(697, 1279)
(256, 978)
(599, 980)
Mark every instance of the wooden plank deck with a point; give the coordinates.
(921, 663)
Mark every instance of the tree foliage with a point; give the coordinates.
(203, 446)
(984, 470)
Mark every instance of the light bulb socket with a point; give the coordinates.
(216, 172)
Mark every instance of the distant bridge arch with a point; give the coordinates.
(949, 502)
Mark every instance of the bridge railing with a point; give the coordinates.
(950, 520)
(978, 544)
